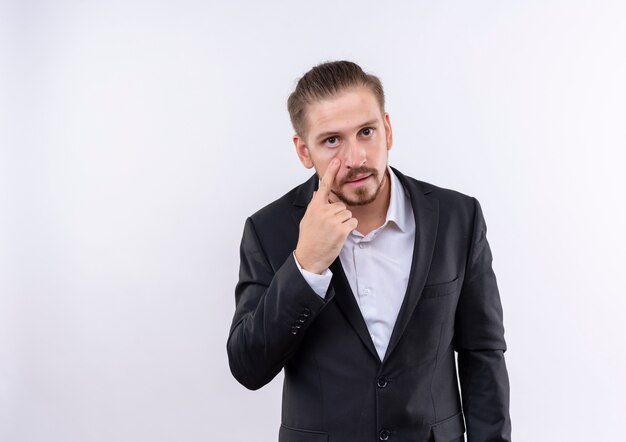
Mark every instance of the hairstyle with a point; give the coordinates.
(325, 80)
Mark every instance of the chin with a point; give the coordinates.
(358, 198)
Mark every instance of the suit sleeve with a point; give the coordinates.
(273, 310)
(479, 341)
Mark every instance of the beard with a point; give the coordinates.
(362, 195)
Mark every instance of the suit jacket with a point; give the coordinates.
(336, 388)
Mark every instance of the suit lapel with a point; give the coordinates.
(426, 213)
(303, 197)
(344, 297)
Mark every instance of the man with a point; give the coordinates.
(362, 283)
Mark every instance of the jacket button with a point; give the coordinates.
(294, 330)
(384, 434)
(382, 382)
(306, 312)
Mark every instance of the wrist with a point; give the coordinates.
(304, 264)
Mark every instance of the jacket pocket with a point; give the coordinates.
(450, 429)
(288, 434)
(440, 289)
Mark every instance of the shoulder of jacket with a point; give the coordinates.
(444, 195)
(281, 206)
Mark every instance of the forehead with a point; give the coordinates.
(343, 111)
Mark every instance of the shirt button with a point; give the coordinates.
(384, 434)
(366, 291)
(362, 245)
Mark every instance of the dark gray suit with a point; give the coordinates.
(336, 387)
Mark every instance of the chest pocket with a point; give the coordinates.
(440, 289)
(288, 434)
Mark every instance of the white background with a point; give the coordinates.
(137, 136)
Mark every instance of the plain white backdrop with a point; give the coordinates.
(137, 136)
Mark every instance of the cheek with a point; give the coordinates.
(322, 156)
(321, 160)
(327, 154)
(320, 167)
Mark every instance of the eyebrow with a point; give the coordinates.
(334, 132)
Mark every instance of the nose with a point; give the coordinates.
(353, 154)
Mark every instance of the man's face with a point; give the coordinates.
(348, 126)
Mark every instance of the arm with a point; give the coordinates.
(479, 341)
(273, 311)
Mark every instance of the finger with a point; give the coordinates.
(343, 216)
(351, 224)
(328, 179)
(337, 207)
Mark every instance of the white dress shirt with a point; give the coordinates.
(377, 267)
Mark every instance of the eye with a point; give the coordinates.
(331, 141)
(367, 131)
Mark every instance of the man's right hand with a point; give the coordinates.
(324, 227)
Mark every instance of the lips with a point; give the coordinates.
(359, 179)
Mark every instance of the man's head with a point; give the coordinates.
(337, 111)
(324, 81)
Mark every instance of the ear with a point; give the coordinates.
(388, 132)
(303, 151)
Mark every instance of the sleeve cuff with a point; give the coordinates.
(319, 283)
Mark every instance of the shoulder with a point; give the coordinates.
(455, 210)
(275, 226)
(445, 197)
(298, 196)
(459, 215)
(281, 216)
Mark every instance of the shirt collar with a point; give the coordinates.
(399, 203)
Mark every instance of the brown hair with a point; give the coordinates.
(325, 80)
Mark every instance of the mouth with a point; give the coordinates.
(358, 181)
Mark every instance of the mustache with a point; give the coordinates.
(363, 170)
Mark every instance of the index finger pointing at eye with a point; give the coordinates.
(328, 179)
